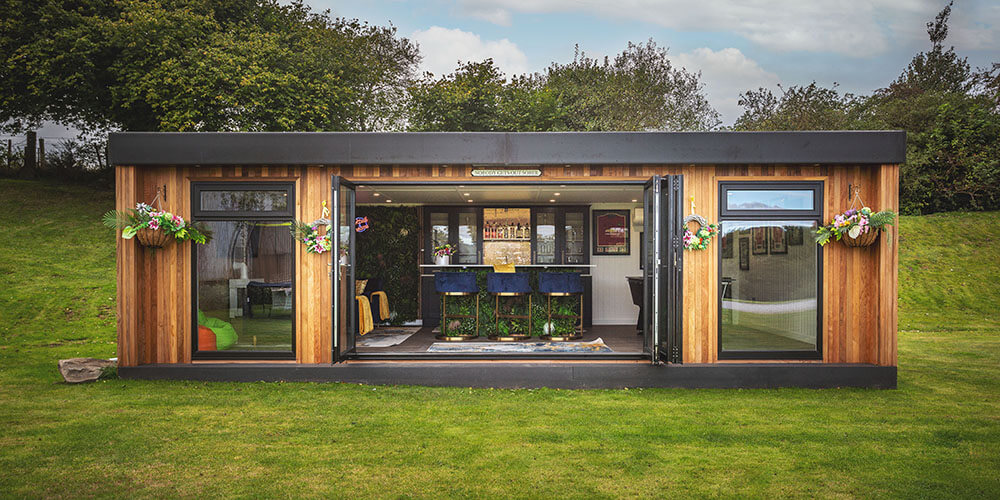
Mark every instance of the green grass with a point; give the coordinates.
(937, 436)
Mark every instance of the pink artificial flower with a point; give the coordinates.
(178, 221)
(154, 224)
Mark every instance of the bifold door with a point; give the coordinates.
(345, 308)
(663, 260)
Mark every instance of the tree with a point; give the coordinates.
(466, 100)
(953, 129)
(639, 90)
(809, 107)
(199, 65)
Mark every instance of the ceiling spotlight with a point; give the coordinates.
(635, 201)
(552, 201)
(376, 194)
(388, 201)
(465, 194)
(470, 201)
(562, 185)
(556, 194)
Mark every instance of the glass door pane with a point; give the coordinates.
(575, 234)
(345, 315)
(244, 282)
(651, 208)
(468, 233)
(439, 231)
(545, 237)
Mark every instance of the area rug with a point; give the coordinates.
(519, 347)
(386, 336)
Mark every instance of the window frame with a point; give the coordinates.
(198, 215)
(816, 214)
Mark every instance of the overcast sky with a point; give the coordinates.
(860, 44)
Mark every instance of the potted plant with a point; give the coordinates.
(856, 228)
(155, 228)
(442, 254)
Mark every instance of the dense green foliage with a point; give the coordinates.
(198, 65)
(937, 436)
(389, 250)
(637, 90)
(951, 115)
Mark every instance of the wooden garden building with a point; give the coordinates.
(590, 259)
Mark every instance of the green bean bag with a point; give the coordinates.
(225, 334)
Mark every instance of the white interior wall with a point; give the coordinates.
(612, 300)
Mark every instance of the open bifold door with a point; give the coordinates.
(663, 257)
(345, 308)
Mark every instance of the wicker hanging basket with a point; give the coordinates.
(150, 238)
(863, 240)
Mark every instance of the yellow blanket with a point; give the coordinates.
(383, 305)
(365, 323)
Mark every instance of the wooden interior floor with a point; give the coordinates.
(620, 338)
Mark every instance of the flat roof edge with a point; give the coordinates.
(506, 148)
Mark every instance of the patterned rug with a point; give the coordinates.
(519, 347)
(387, 336)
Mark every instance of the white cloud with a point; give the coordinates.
(442, 48)
(726, 73)
(859, 28)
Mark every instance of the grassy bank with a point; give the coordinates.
(938, 435)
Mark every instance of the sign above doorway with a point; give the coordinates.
(519, 172)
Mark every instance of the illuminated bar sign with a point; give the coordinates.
(492, 172)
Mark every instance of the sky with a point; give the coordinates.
(861, 45)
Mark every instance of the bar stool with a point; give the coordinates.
(456, 285)
(509, 285)
(562, 285)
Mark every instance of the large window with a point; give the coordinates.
(244, 277)
(770, 270)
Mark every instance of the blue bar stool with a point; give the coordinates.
(456, 285)
(509, 285)
(562, 285)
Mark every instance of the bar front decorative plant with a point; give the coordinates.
(442, 254)
(155, 228)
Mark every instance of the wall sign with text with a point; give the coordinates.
(494, 172)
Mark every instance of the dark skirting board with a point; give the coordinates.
(566, 375)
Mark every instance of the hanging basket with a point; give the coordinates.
(151, 238)
(863, 240)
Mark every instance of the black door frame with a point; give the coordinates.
(342, 352)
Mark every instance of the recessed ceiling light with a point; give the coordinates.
(562, 185)
(465, 194)
(376, 194)
(470, 201)
(461, 186)
(552, 201)
(634, 201)
(557, 194)
(388, 201)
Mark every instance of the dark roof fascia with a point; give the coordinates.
(506, 148)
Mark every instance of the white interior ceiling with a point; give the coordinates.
(535, 194)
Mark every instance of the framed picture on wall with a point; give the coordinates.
(758, 235)
(777, 242)
(611, 232)
(744, 254)
(727, 246)
(795, 235)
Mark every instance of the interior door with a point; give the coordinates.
(662, 268)
(345, 307)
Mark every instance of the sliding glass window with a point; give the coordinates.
(244, 278)
(770, 270)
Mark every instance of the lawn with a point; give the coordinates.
(938, 435)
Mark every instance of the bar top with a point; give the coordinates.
(515, 266)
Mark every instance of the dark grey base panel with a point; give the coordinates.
(583, 375)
